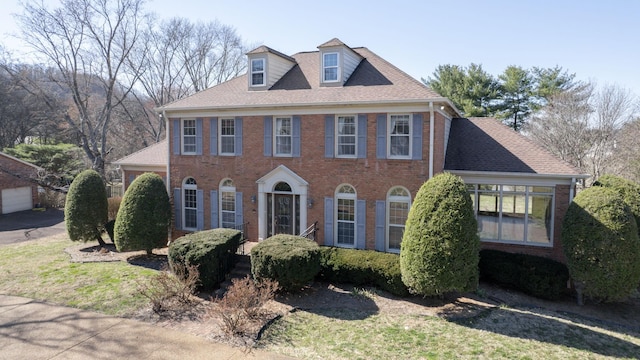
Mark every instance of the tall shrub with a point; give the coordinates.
(600, 242)
(143, 220)
(629, 190)
(440, 245)
(85, 210)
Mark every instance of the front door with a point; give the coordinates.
(283, 214)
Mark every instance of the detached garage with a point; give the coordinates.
(18, 192)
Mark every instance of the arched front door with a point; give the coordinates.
(282, 196)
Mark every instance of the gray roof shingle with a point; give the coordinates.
(374, 81)
(152, 155)
(487, 145)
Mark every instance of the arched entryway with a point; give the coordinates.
(282, 199)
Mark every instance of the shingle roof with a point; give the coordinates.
(374, 81)
(485, 144)
(153, 155)
(264, 49)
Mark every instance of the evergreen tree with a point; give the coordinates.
(516, 94)
(85, 210)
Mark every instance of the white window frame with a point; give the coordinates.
(528, 192)
(227, 186)
(189, 185)
(254, 72)
(398, 199)
(222, 136)
(276, 136)
(184, 136)
(354, 135)
(325, 67)
(390, 135)
(350, 196)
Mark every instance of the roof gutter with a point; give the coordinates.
(431, 138)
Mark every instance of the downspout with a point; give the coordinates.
(168, 185)
(571, 190)
(431, 138)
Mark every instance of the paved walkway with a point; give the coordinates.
(34, 330)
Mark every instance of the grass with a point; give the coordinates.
(504, 333)
(41, 270)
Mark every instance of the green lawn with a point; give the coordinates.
(41, 270)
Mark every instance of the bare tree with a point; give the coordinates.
(581, 125)
(627, 151)
(88, 43)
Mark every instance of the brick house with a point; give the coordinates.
(341, 138)
(18, 192)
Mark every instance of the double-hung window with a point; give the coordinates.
(330, 70)
(398, 205)
(345, 216)
(227, 136)
(346, 133)
(400, 136)
(189, 136)
(227, 204)
(257, 72)
(283, 139)
(190, 204)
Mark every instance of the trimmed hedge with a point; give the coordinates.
(533, 275)
(142, 223)
(440, 245)
(600, 241)
(213, 251)
(362, 267)
(292, 261)
(629, 190)
(85, 210)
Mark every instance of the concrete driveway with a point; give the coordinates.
(30, 225)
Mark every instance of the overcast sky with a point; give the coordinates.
(596, 40)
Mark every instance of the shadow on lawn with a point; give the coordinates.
(564, 329)
(341, 302)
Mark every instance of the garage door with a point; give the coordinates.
(16, 199)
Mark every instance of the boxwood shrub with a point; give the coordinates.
(600, 241)
(362, 267)
(292, 261)
(213, 251)
(629, 190)
(533, 275)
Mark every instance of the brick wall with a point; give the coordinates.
(371, 177)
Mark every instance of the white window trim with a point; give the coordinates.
(354, 197)
(223, 189)
(275, 136)
(185, 187)
(337, 137)
(182, 137)
(389, 200)
(263, 72)
(526, 193)
(220, 136)
(389, 135)
(337, 67)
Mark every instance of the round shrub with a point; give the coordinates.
(85, 209)
(292, 261)
(440, 245)
(212, 251)
(629, 190)
(144, 216)
(600, 242)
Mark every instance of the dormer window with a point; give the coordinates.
(330, 69)
(257, 72)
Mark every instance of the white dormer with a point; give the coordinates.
(266, 67)
(337, 62)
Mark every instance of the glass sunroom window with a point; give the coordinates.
(514, 214)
